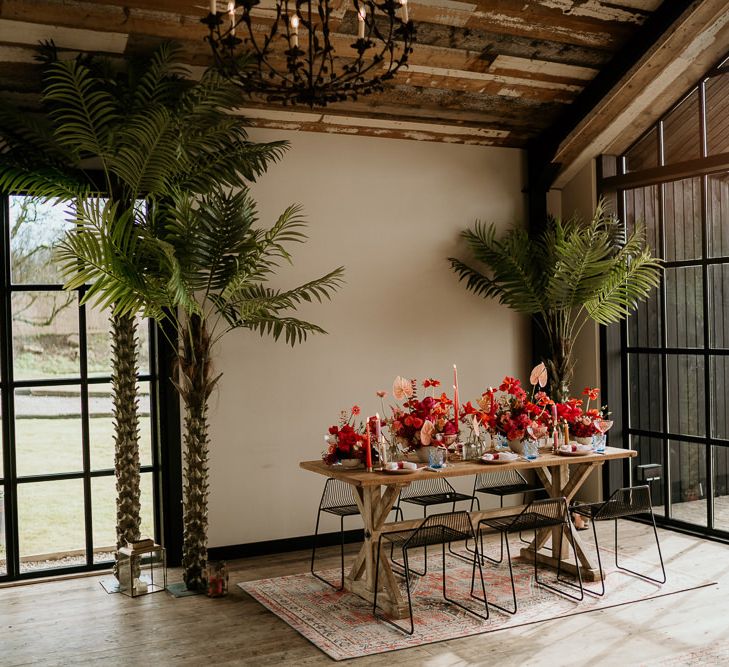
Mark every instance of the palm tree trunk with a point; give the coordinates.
(126, 429)
(195, 383)
(560, 364)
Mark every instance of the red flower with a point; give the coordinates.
(510, 384)
(591, 393)
(356, 410)
(431, 382)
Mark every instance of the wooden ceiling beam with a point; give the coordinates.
(676, 60)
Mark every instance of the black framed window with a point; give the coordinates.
(56, 477)
(667, 367)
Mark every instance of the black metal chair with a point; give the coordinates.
(426, 493)
(436, 529)
(628, 501)
(500, 483)
(551, 512)
(337, 499)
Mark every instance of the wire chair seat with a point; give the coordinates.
(434, 491)
(503, 483)
(344, 510)
(427, 536)
(625, 502)
(523, 521)
(628, 501)
(436, 529)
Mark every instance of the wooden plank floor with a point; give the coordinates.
(74, 622)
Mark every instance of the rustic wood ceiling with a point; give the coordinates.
(489, 72)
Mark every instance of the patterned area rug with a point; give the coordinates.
(342, 625)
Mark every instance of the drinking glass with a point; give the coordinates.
(531, 449)
(436, 457)
(598, 442)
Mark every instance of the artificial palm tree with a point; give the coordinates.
(200, 262)
(130, 135)
(571, 273)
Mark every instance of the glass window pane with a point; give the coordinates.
(644, 154)
(650, 452)
(644, 326)
(717, 214)
(645, 378)
(721, 487)
(103, 493)
(688, 482)
(98, 333)
(641, 206)
(682, 132)
(719, 305)
(51, 524)
(684, 307)
(35, 229)
(101, 426)
(717, 114)
(682, 219)
(719, 369)
(45, 335)
(48, 430)
(686, 409)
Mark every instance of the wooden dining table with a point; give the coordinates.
(376, 492)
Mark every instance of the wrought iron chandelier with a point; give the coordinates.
(299, 59)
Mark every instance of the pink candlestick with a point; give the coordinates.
(378, 428)
(368, 448)
(455, 410)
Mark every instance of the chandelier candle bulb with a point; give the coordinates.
(295, 30)
(231, 15)
(404, 5)
(212, 6)
(361, 16)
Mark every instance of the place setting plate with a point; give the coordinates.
(401, 471)
(578, 452)
(498, 461)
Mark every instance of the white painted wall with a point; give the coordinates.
(390, 211)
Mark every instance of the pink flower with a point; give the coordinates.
(381, 394)
(538, 376)
(426, 432)
(402, 388)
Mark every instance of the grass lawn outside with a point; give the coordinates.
(51, 514)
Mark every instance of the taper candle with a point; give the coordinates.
(361, 14)
(368, 447)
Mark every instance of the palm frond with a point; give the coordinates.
(511, 264)
(82, 110)
(294, 330)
